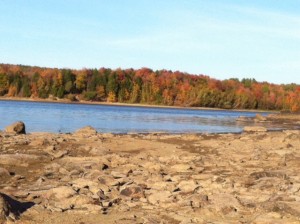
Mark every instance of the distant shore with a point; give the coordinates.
(66, 101)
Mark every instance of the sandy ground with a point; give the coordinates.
(88, 177)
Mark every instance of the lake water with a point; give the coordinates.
(55, 117)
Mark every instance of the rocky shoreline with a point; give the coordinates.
(89, 177)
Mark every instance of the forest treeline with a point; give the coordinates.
(146, 86)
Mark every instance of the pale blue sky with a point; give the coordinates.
(223, 39)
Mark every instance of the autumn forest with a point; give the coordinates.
(146, 86)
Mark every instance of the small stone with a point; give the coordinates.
(16, 128)
(4, 173)
(106, 204)
(259, 117)
(188, 186)
(118, 175)
(101, 195)
(60, 154)
(133, 192)
(63, 192)
(86, 131)
(159, 197)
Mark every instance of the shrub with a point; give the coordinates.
(90, 95)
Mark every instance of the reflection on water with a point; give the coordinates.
(53, 117)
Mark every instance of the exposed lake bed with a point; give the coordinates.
(90, 177)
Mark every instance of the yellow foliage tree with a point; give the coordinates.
(81, 80)
(135, 93)
(100, 91)
(111, 97)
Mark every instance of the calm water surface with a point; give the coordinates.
(55, 117)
